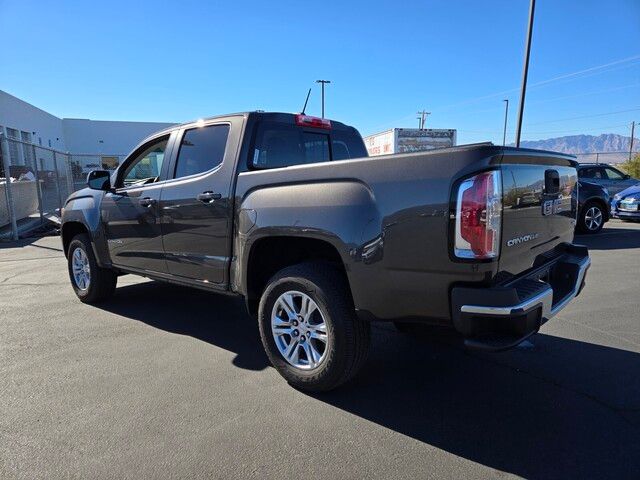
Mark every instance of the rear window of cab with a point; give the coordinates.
(282, 145)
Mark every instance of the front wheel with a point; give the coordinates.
(592, 218)
(309, 328)
(90, 282)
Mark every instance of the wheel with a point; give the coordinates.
(90, 282)
(591, 218)
(309, 328)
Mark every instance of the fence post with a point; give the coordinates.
(55, 167)
(38, 190)
(70, 184)
(7, 174)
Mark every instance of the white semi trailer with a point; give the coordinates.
(407, 140)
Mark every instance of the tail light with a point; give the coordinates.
(478, 216)
(309, 121)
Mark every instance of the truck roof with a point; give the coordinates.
(257, 114)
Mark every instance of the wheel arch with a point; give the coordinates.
(270, 254)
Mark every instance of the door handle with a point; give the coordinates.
(147, 201)
(208, 197)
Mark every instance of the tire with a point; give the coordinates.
(101, 281)
(592, 218)
(347, 337)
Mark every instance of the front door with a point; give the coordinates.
(195, 205)
(130, 214)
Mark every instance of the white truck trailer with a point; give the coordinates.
(407, 140)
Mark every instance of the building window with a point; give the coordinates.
(27, 151)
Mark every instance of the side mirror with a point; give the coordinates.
(627, 177)
(99, 180)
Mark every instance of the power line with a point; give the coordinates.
(585, 116)
(585, 72)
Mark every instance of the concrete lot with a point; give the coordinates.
(164, 382)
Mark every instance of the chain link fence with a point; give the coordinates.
(35, 181)
(611, 158)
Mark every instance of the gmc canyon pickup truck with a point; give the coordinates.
(288, 212)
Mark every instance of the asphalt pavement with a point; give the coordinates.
(167, 382)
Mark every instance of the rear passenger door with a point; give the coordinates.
(195, 203)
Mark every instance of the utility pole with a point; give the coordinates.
(323, 82)
(506, 113)
(525, 72)
(423, 117)
(633, 127)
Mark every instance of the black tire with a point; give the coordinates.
(349, 336)
(102, 281)
(585, 225)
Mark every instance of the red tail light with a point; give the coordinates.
(308, 121)
(478, 216)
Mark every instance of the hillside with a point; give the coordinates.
(608, 142)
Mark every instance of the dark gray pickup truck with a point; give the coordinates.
(287, 211)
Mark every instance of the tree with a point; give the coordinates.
(632, 167)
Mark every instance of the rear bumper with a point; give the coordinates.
(501, 317)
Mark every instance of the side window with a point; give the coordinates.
(592, 172)
(614, 174)
(201, 149)
(146, 166)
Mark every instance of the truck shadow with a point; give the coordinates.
(560, 409)
(219, 320)
(611, 238)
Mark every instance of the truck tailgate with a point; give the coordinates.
(539, 211)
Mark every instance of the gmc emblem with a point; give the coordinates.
(551, 207)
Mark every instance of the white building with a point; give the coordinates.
(80, 137)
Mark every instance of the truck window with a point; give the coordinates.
(316, 147)
(201, 149)
(146, 166)
(347, 145)
(282, 145)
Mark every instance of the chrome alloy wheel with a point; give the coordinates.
(593, 218)
(299, 330)
(81, 269)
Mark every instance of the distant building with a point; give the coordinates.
(407, 140)
(96, 139)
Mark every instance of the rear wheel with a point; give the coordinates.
(309, 328)
(90, 282)
(592, 218)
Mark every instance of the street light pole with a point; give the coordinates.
(525, 72)
(506, 113)
(633, 127)
(323, 82)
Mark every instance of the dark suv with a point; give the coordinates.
(606, 176)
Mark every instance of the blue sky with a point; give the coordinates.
(176, 61)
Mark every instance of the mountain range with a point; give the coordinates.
(607, 142)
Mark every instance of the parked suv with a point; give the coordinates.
(606, 176)
(593, 207)
(288, 212)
